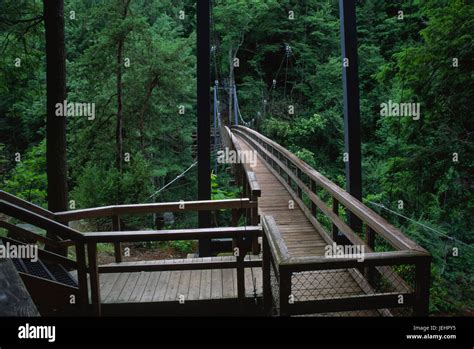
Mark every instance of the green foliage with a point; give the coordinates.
(183, 246)
(102, 185)
(27, 180)
(217, 191)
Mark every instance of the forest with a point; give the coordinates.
(133, 64)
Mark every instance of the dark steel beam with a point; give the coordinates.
(204, 118)
(350, 80)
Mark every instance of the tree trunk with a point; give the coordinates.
(119, 130)
(150, 87)
(120, 62)
(56, 93)
(231, 84)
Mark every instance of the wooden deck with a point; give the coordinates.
(168, 286)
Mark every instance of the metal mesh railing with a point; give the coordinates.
(324, 284)
(319, 285)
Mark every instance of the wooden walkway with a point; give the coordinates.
(302, 239)
(298, 233)
(168, 286)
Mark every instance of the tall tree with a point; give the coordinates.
(56, 93)
(120, 48)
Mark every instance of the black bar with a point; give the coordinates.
(350, 80)
(204, 118)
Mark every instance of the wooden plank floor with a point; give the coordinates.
(299, 234)
(168, 286)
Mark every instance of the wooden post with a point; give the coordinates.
(94, 278)
(298, 189)
(254, 222)
(370, 240)
(240, 269)
(422, 286)
(369, 236)
(56, 92)
(280, 169)
(288, 164)
(266, 265)
(248, 211)
(335, 209)
(245, 182)
(236, 213)
(313, 188)
(82, 277)
(117, 245)
(285, 291)
(235, 222)
(204, 120)
(350, 81)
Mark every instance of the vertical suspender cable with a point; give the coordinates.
(215, 123)
(236, 111)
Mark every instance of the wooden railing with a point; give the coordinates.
(116, 211)
(245, 177)
(292, 286)
(304, 185)
(85, 244)
(237, 233)
(41, 218)
(293, 172)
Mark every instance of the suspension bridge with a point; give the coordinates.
(284, 223)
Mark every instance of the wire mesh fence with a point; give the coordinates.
(344, 283)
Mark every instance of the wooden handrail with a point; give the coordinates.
(275, 241)
(170, 235)
(230, 142)
(249, 174)
(246, 178)
(17, 231)
(285, 260)
(372, 259)
(25, 204)
(372, 219)
(40, 221)
(185, 206)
